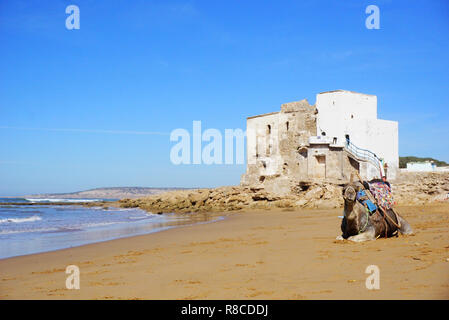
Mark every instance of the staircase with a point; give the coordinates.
(363, 155)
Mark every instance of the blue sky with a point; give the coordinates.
(74, 103)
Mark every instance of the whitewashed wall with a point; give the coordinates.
(337, 108)
(420, 166)
(344, 112)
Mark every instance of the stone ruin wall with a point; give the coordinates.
(281, 165)
(283, 161)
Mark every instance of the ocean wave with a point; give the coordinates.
(6, 200)
(43, 230)
(61, 200)
(145, 216)
(20, 220)
(100, 224)
(63, 229)
(57, 230)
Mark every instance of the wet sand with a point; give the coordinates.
(249, 255)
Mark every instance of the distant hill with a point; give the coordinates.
(403, 161)
(105, 193)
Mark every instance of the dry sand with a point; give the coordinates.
(250, 255)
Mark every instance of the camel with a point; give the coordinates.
(358, 225)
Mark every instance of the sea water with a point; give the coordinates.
(27, 229)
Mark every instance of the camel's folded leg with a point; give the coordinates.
(369, 234)
(405, 226)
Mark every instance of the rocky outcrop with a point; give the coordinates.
(236, 198)
(412, 188)
(408, 189)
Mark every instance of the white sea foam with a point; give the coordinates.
(137, 218)
(20, 220)
(61, 200)
(6, 232)
(100, 224)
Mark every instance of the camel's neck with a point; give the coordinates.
(349, 210)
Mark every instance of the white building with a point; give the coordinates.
(421, 166)
(301, 143)
(345, 114)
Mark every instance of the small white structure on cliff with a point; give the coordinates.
(302, 144)
(425, 166)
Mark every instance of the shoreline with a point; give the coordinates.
(156, 230)
(269, 254)
(218, 218)
(73, 238)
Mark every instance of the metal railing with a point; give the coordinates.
(363, 154)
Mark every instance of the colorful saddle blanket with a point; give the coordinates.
(382, 192)
(363, 198)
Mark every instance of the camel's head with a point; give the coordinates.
(350, 192)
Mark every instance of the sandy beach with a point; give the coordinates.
(277, 254)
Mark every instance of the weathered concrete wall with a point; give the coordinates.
(297, 123)
(263, 162)
(330, 163)
(277, 146)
